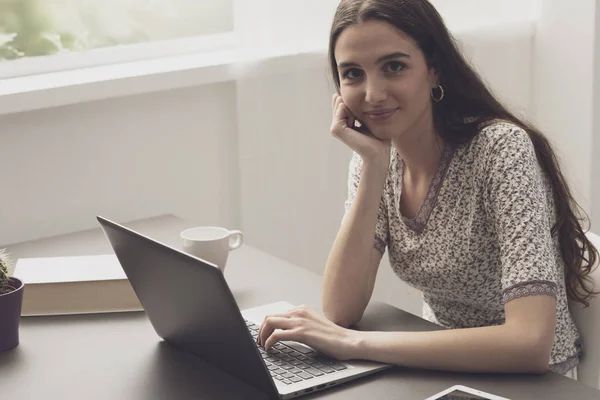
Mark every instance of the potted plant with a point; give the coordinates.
(11, 300)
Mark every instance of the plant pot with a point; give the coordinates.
(10, 315)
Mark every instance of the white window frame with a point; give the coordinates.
(112, 55)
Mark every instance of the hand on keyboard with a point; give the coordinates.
(306, 326)
(290, 363)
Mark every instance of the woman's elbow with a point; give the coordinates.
(344, 321)
(539, 365)
(536, 358)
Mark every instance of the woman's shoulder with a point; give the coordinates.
(499, 143)
(498, 130)
(497, 138)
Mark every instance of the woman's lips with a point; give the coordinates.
(381, 115)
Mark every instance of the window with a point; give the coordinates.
(63, 34)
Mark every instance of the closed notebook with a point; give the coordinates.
(75, 285)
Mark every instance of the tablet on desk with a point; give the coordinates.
(460, 392)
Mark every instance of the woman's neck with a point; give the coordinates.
(420, 149)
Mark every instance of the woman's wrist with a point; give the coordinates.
(356, 345)
(375, 168)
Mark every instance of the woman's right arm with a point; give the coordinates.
(353, 262)
(352, 265)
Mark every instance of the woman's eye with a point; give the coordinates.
(352, 73)
(394, 66)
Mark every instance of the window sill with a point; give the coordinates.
(104, 82)
(109, 81)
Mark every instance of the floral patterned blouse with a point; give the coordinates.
(481, 238)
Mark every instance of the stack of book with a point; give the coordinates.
(75, 285)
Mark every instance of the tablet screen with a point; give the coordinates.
(460, 395)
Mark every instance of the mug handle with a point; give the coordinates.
(236, 238)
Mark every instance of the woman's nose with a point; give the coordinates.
(375, 91)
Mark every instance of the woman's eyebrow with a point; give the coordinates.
(346, 64)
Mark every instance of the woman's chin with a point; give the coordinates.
(382, 134)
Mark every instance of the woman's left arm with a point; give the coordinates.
(522, 344)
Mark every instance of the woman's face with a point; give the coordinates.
(384, 79)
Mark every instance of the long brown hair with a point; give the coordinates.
(469, 104)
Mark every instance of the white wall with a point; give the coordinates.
(307, 22)
(125, 158)
(595, 173)
(563, 84)
(283, 23)
(485, 13)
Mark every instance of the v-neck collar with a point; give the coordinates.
(418, 223)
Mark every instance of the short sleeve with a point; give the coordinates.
(520, 212)
(381, 228)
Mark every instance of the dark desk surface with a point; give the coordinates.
(119, 356)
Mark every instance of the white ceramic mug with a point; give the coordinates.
(211, 243)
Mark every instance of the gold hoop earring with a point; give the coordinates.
(438, 99)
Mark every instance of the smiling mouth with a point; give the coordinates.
(381, 115)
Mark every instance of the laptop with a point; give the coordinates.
(190, 306)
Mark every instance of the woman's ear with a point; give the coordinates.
(433, 74)
(434, 78)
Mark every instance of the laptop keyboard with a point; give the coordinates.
(291, 364)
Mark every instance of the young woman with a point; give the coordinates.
(468, 199)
